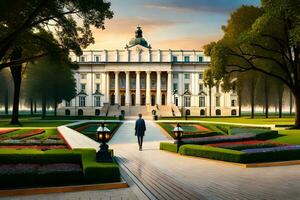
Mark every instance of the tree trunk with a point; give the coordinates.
(35, 106)
(240, 105)
(16, 72)
(31, 106)
(280, 96)
(6, 102)
(55, 107)
(291, 102)
(297, 110)
(44, 106)
(209, 101)
(252, 93)
(267, 90)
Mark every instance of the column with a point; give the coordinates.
(148, 90)
(180, 88)
(138, 89)
(116, 87)
(169, 89)
(107, 87)
(158, 88)
(127, 93)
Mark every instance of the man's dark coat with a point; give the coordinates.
(140, 127)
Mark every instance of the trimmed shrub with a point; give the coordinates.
(168, 147)
(211, 152)
(98, 172)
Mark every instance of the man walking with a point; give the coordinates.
(140, 129)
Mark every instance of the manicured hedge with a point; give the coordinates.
(168, 147)
(211, 152)
(57, 166)
(271, 156)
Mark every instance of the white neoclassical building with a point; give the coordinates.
(139, 79)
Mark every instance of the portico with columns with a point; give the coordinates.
(139, 79)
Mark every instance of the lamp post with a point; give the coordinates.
(178, 132)
(103, 135)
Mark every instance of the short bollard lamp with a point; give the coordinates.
(178, 132)
(103, 136)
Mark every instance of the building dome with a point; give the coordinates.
(138, 39)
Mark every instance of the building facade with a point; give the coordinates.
(140, 79)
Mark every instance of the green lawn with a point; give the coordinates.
(36, 123)
(289, 136)
(245, 120)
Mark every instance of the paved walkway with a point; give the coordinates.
(156, 174)
(196, 176)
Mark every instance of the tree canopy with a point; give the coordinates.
(263, 39)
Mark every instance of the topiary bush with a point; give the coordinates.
(211, 152)
(168, 147)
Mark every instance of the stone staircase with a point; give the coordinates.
(165, 111)
(104, 109)
(114, 110)
(175, 110)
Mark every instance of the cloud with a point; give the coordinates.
(215, 6)
(187, 43)
(119, 31)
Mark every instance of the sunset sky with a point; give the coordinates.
(167, 24)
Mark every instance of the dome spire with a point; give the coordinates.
(138, 32)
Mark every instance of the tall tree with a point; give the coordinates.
(209, 81)
(50, 81)
(5, 89)
(265, 40)
(38, 28)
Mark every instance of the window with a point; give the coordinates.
(97, 101)
(217, 101)
(83, 76)
(200, 59)
(186, 58)
(97, 58)
(233, 103)
(202, 102)
(68, 103)
(218, 112)
(175, 86)
(201, 88)
(97, 76)
(81, 101)
(187, 101)
(201, 76)
(98, 87)
(143, 82)
(233, 112)
(174, 58)
(82, 59)
(217, 88)
(82, 87)
(175, 76)
(234, 88)
(67, 112)
(187, 76)
(186, 87)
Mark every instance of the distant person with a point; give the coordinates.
(140, 129)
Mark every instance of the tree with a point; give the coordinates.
(209, 81)
(38, 28)
(5, 89)
(265, 40)
(50, 81)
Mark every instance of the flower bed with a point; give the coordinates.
(238, 143)
(4, 131)
(41, 147)
(29, 134)
(272, 149)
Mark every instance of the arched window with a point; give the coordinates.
(218, 112)
(202, 112)
(97, 112)
(233, 112)
(67, 112)
(80, 112)
(187, 112)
